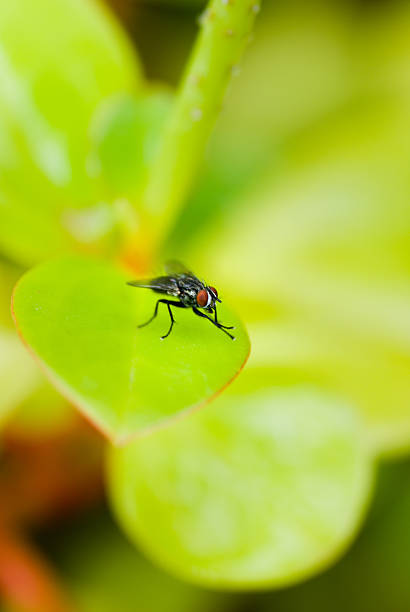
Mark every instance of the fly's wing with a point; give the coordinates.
(161, 284)
(174, 267)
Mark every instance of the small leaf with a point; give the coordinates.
(259, 489)
(81, 319)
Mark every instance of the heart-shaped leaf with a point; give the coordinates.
(260, 488)
(81, 319)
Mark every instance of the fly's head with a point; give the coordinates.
(207, 297)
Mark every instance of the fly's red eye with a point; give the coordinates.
(214, 291)
(202, 298)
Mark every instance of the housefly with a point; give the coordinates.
(181, 283)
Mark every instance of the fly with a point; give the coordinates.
(182, 284)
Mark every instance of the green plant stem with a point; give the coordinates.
(225, 30)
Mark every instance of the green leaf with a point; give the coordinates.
(19, 376)
(327, 264)
(58, 62)
(373, 576)
(125, 135)
(308, 56)
(262, 488)
(376, 376)
(9, 275)
(80, 318)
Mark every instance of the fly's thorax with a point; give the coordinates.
(188, 298)
(188, 290)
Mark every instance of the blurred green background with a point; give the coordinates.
(301, 212)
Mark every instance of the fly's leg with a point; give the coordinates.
(168, 303)
(154, 315)
(218, 325)
(172, 320)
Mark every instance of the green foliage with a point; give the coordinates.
(300, 218)
(225, 30)
(328, 238)
(125, 133)
(81, 318)
(19, 376)
(82, 551)
(373, 575)
(52, 81)
(260, 488)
